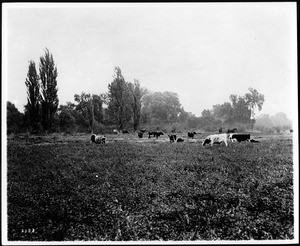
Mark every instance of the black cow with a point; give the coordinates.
(191, 134)
(155, 134)
(220, 130)
(125, 131)
(233, 130)
(180, 140)
(239, 137)
(172, 138)
(140, 135)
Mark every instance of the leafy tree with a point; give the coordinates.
(33, 96)
(161, 108)
(98, 102)
(67, 121)
(280, 119)
(89, 109)
(86, 108)
(49, 99)
(119, 100)
(208, 122)
(223, 112)
(14, 118)
(254, 100)
(137, 93)
(277, 122)
(241, 111)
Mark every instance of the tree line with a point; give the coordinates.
(126, 105)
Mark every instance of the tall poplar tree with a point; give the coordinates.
(49, 99)
(33, 96)
(137, 93)
(119, 108)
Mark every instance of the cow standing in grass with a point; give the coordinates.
(172, 138)
(155, 134)
(98, 139)
(239, 137)
(216, 138)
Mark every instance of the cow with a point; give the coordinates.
(180, 140)
(216, 138)
(140, 135)
(125, 131)
(173, 130)
(155, 134)
(98, 139)
(191, 134)
(239, 137)
(233, 130)
(220, 130)
(115, 131)
(172, 138)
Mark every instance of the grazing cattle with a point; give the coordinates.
(220, 130)
(216, 138)
(98, 139)
(191, 134)
(155, 134)
(239, 137)
(172, 138)
(115, 131)
(233, 130)
(140, 135)
(125, 131)
(173, 131)
(180, 140)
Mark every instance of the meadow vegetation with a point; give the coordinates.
(66, 188)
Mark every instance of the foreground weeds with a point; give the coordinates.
(150, 191)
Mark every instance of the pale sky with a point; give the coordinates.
(202, 51)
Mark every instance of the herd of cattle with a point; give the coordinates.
(217, 138)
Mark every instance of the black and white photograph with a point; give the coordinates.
(149, 123)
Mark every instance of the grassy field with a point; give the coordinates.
(66, 188)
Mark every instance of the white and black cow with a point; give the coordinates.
(239, 137)
(172, 138)
(216, 138)
(98, 139)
